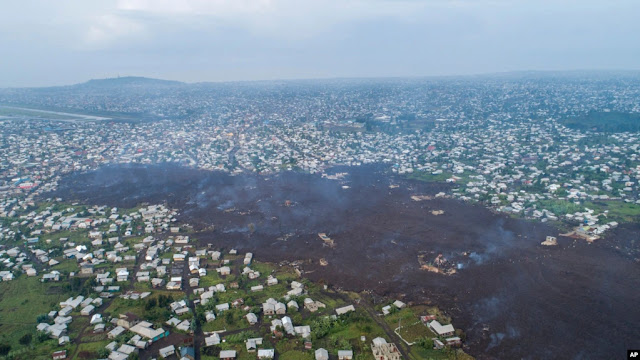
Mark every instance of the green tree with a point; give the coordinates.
(42, 336)
(42, 318)
(25, 339)
(229, 318)
(103, 353)
(4, 349)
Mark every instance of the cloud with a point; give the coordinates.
(272, 18)
(196, 7)
(53, 42)
(110, 28)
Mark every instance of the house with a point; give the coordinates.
(165, 352)
(268, 308)
(87, 310)
(227, 355)
(427, 318)
(116, 355)
(209, 316)
(212, 340)
(157, 282)
(266, 353)
(252, 344)
(453, 341)
(384, 351)
(86, 269)
(313, 306)
(281, 308)
(185, 325)
(437, 344)
(127, 320)
(99, 328)
(304, 331)
(225, 270)
(65, 311)
(122, 274)
(399, 304)
(127, 349)
(174, 285)
(96, 319)
(62, 354)
(252, 318)
(57, 331)
(32, 272)
(322, 354)
(287, 324)
(237, 303)
(345, 355)
(222, 307)
(173, 321)
(115, 332)
(187, 352)
(146, 330)
(345, 309)
(138, 342)
(441, 330)
(293, 305)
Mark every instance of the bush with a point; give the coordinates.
(25, 339)
(42, 336)
(425, 343)
(103, 353)
(229, 318)
(4, 349)
(151, 303)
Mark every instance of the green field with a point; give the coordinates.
(414, 332)
(21, 301)
(427, 176)
(617, 210)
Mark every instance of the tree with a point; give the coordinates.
(103, 353)
(42, 336)
(150, 304)
(42, 318)
(229, 318)
(425, 342)
(25, 339)
(4, 349)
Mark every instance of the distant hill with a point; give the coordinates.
(128, 81)
(604, 121)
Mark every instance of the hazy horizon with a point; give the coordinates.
(48, 44)
(513, 73)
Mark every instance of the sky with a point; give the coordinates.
(64, 42)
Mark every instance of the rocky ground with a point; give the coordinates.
(513, 297)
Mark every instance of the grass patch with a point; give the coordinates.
(21, 301)
(415, 331)
(427, 176)
(296, 355)
(619, 211)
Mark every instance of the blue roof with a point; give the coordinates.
(187, 351)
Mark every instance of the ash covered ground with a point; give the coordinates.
(513, 297)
